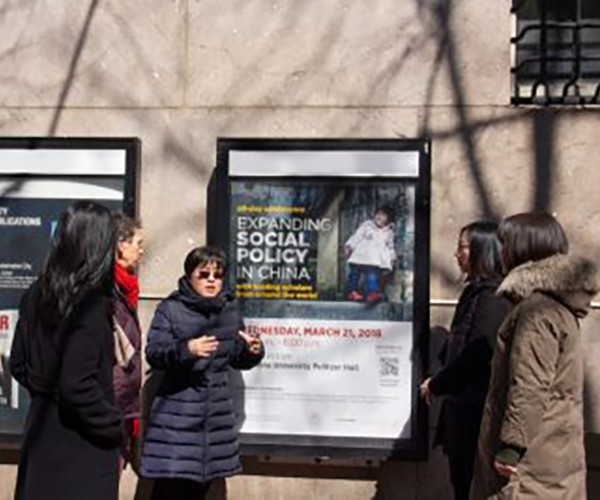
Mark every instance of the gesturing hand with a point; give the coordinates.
(203, 347)
(254, 343)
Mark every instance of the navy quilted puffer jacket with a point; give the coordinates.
(190, 433)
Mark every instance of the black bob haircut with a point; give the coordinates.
(531, 236)
(202, 256)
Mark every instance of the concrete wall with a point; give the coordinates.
(179, 73)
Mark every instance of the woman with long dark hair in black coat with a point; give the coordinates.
(468, 352)
(63, 354)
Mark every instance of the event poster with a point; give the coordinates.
(39, 178)
(26, 227)
(325, 272)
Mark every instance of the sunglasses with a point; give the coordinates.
(204, 275)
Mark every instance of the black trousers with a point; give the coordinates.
(461, 474)
(460, 433)
(179, 489)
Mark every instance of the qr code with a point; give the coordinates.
(388, 366)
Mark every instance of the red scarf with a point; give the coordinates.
(128, 285)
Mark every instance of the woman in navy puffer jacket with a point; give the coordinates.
(196, 334)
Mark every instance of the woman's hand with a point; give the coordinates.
(426, 393)
(505, 470)
(203, 347)
(254, 343)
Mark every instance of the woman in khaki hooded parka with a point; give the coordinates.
(531, 439)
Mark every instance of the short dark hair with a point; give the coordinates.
(126, 226)
(531, 236)
(485, 257)
(388, 210)
(202, 256)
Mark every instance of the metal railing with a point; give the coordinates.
(555, 55)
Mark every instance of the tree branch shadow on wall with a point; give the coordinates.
(71, 72)
(440, 12)
(543, 127)
(177, 152)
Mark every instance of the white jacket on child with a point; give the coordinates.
(372, 245)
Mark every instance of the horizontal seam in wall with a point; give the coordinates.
(432, 302)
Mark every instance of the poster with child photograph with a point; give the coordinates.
(324, 246)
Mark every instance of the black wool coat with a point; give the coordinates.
(190, 433)
(73, 428)
(465, 377)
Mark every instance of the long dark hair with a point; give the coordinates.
(485, 258)
(531, 236)
(81, 259)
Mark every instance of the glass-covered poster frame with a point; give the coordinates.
(328, 247)
(39, 178)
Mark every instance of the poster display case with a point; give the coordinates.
(39, 178)
(328, 247)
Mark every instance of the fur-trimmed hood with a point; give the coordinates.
(570, 278)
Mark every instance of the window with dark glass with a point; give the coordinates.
(556, 52)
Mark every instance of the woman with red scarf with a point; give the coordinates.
(127, 372)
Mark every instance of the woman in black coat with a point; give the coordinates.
(195, 336)
(468, 352)
(63, 354)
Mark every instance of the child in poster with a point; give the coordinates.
(371, 252)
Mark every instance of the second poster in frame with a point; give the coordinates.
(325, 241)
